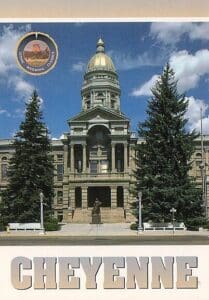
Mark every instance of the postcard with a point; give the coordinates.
(104, 150)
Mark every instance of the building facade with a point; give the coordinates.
(95, 159)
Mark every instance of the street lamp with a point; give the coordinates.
(42, 212)
(173, 211)
(140, 212)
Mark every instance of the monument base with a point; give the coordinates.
(96, 219)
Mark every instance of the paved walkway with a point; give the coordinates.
(119, 229)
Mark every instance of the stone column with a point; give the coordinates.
(84, 197)
(72, 198)
(113, 197)
(72, 158)
(125, 157)
(113, 158)
(84, 158)
(65, 158)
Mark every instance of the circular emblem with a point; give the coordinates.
(37, 53)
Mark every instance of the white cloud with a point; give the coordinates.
(22, 88)
(79, 67)
(172, 32)
(145, 89)
(189, 68)
(127, 62)
(4, 112)
(194, 116)
(9, 71)
(123, 61)
(8, 42)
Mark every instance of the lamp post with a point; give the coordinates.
(140, 212)
(173, 210)
(42, 212)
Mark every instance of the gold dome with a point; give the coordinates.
(100, 61)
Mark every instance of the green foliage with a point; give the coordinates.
(163, 158)
(51, 224)
(196, 223)
(206, 224)
(134, 226)
(30, 170)
(2, 226)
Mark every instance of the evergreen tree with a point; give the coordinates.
(30, 169)
(164, 157)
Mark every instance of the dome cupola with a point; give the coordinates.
(100, 61)
(101, 85)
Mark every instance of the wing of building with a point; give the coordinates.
(96, 158)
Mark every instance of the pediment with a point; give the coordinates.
(98, 114)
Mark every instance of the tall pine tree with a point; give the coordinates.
(30, 170)
(164, 157)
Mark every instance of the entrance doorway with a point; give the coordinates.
(102, 193)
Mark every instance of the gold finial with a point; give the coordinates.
(100, 45)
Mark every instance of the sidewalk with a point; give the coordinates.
(119, 229)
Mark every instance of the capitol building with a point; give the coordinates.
(96, 158)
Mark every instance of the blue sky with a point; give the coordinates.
(139, 51)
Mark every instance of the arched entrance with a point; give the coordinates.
(99, 150)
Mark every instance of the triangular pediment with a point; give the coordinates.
(98, 114)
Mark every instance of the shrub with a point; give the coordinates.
(51, 224)
(2, 227)
(194, 224)
(206, 225)
(134, 226)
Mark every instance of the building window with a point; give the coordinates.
(120, 197)
(119, 157)
(93, 166)
(60, 172)
(59, 157)
(87, 104)
(4, 171)
(78, 166)
(59, 197)
(104, 166)
(78, 197)
(60, 215)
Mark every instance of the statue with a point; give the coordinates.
(96, 213)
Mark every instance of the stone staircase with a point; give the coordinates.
(108, 215)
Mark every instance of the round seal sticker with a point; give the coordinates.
(37, 53)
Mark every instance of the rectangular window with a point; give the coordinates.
(112, 104)
(93, 166)
(59, 197)
(60, 215)
(87, 104)
(79, 166)
(60, 171)
(104, 166)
